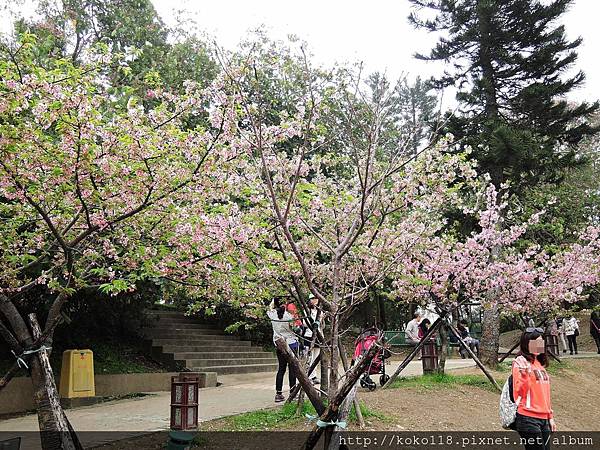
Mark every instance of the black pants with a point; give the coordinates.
(572, 343)
(281, 371)
(535, 433)
(597, 339)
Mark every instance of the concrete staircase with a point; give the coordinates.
(185, 343)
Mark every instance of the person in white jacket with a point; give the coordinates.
(412, 330)
(570, 328)
(561, 333)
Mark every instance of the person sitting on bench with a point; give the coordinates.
(466, 337)
(412, 330)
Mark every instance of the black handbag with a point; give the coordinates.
(576, 331)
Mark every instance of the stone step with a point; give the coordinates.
(193, 341)
(191, 336)
(229, 362)
(158, 332)
(167, 314)
(189, 324)
(203, 346)
(177, 321)
(208, 348)
(221, 355)
(250, 368)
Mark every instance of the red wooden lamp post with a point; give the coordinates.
(184, 402)
(429, 356)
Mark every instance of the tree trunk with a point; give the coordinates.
(382, 317)
(334, 356)
(488, 80)
(490, 336)
(475, 358)
(346, 366)
(345, 387)
(309, 372)
(324, 371)
(303, 380)
(55, 430)
(333, 443)
(433, 329)
(444, 348)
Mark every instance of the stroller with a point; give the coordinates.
(363, 343)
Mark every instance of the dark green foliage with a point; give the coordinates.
(417, 111)
(72, 28)
(509, 60)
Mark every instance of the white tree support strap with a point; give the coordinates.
(322, 424)
(21, 362)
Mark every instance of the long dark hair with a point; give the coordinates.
(525, 339)
(279, 306)
(423, 325)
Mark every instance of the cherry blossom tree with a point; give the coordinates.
(94, 192)
(524, 280)
(340, 212)
(492, 266)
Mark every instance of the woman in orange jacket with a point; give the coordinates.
(531, 387)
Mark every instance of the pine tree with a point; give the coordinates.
(416, 107)
(509, 60)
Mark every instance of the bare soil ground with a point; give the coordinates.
(575, 399)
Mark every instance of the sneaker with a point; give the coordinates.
(279, 398)
(571, 353)
(564, 351)
(576, 353)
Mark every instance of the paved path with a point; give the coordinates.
(237, 394)
(580, 355)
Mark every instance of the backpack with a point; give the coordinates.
(508, 406)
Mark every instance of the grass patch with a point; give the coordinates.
(558, 369)
(441, 381)
(504, 367)
(366, 413)
(286, 416)
(266, 419)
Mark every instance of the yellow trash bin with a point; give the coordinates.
(77, 374)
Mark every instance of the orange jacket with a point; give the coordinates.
(531, 383)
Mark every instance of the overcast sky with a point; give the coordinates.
(376, 32)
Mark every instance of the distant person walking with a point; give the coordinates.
(531, 390)
(412, 330)
(561, 333)
(571, 330)
(595, 327)
(281, 320)
(551, 337)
